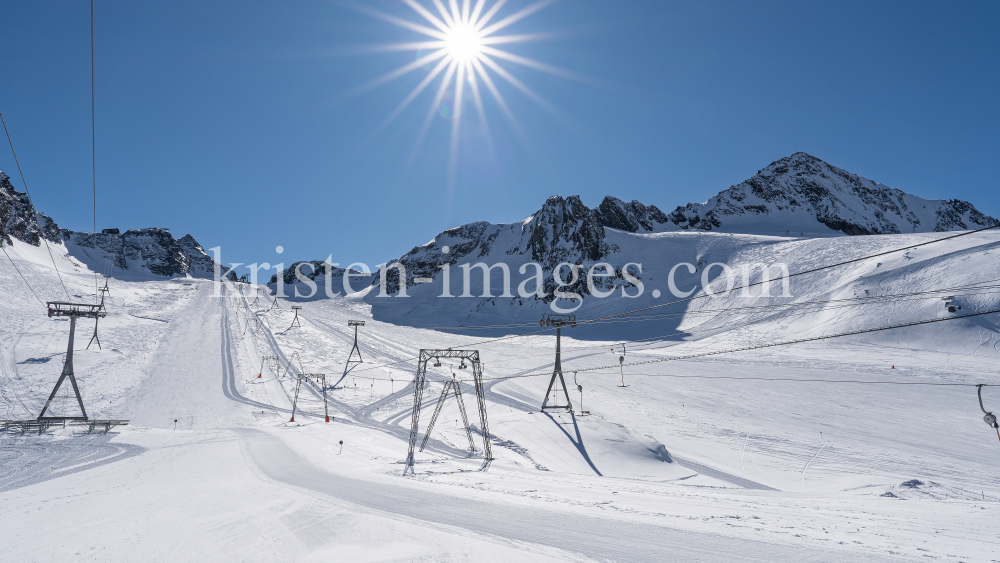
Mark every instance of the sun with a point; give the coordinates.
(463, 42)
(459, 52)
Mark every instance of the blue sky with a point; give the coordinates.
(236, 121)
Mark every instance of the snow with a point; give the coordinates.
(675, 465)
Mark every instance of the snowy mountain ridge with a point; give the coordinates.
(153, 250)
(803, 193)
(796, 195)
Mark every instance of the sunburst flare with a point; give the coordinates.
(461, 53)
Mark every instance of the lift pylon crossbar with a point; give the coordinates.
(418, 392)
(82, 310)
(450, 387)
(558, 321)
(71, 310)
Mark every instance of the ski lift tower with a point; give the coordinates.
(295, 321)
(73, 311)
(418, 393)
(319, 377)
(104, 291)
(558, 321)
(355, 324)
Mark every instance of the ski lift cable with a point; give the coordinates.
(93, 145)
(783, 343)
(653, 339)
(596, 370)
(851, 300)
(28, 193)
(810, 271)
(20, 274)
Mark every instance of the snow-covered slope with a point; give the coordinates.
(140, 252)
(685, 459)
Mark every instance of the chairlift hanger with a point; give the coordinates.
(990, 419)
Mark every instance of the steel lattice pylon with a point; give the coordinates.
(418, 391)
(321, 377)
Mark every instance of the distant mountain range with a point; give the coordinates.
(799, 195)
(145, 251)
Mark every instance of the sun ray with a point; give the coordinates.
(466, 6)
(520, 38)
(444, 13)
(416, 91)
(553, 70)
(497, 96)
(394, 74)
(427, 15)
(456, 124)
(489, 14)
(391, 47)
(478, 100)
(445, 82)
(521, 86)
(477, 10)
(517, 16)
(456, 13)
(397, 21)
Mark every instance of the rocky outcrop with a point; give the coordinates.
(633, 217)
(18, 219)
(563, 230)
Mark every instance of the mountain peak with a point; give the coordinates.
(804, 194)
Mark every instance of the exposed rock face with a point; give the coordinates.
(154, 250)
(17, 216)
(311, 269)
(633, 217)
(803, 193)
(563, 230)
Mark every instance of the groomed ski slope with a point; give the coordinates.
(685, 468)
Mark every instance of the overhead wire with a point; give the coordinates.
(770, 306)
(804, 272)
(750, 378)
(93, 145)
(815, 304)
(775, 344)
(28, 193)
(20, 274)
